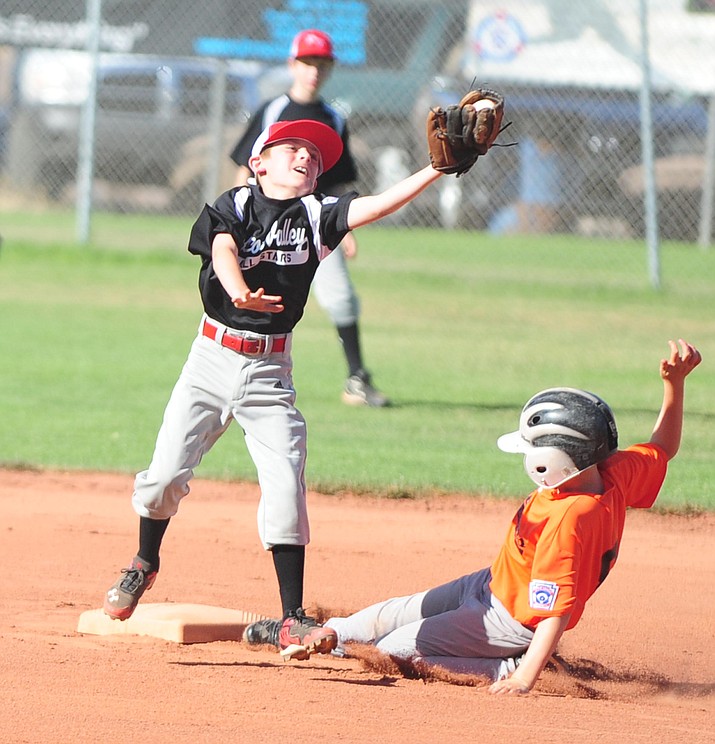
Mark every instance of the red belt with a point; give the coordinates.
(244, 345)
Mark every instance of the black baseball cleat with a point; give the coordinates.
(359, 391)
(122, 597)
(262, 632)
(296, 637)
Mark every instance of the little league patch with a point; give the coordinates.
(542, 595)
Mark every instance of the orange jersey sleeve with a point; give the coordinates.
(561, 546)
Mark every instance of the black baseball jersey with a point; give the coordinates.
(284, 108)
(280, 244)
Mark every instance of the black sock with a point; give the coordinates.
(289, 562)
(350, 339)
(151, 533)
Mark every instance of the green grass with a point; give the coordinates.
(458, 328)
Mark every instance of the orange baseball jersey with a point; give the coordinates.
(561, 546)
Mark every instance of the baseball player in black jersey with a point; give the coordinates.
(260, 246)
(310, 63)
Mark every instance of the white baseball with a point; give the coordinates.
(484, 103)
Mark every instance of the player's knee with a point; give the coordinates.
(158, 498)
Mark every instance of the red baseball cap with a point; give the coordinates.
(312, 43)
(325, 138)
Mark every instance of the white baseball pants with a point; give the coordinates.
(216, 386)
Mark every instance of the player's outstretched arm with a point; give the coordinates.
(367, 209)
(224, 254)
(673, 371)
(546, 637)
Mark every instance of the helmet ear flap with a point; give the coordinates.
(549, 466)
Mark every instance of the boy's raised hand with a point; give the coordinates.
(682, 361)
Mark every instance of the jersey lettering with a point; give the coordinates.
(279, 235)
(282, 258)
(519, 541)
(286, 234)
(608, 560)
(292, 240)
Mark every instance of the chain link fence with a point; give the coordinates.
(176, 81)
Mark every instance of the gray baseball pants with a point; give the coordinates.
(334, 291)
(460, 626)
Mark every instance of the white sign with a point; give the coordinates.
(589, 43)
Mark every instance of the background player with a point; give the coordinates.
(260, 246)
(310, 63)
(505, 621)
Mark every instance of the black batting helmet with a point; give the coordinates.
(562, 431)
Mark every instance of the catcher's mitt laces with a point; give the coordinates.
(504, 144)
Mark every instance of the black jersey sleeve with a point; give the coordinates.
(219, 218)
(334, 218)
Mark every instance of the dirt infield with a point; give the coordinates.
(640, 666)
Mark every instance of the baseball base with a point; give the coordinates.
(180, 623)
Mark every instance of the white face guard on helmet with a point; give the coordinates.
(562, 431)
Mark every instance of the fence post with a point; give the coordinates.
(651, 210)
(215, 147)
(85, 156)
(705, 231)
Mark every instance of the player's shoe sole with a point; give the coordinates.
(300, 636)
(324, 643)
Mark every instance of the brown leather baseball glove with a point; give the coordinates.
(459, 134)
